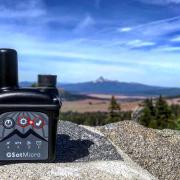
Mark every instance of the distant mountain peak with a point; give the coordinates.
(105, 86)
(101, 79)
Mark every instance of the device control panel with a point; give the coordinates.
(24, 136)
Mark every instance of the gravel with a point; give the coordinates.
(158, 151)
(78, 144)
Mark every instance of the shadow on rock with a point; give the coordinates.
(71, 150)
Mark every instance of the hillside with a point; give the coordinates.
(109, 87)
(67, 96)
(103, 86)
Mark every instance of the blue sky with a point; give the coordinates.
(80, 40)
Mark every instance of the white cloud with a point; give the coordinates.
(36, 48)
(156, 28)
(161, 2)
(124, 29)
(139, 43)
(168, 49)
(175, 39)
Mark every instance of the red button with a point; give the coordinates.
(31, 122)
(23, 121)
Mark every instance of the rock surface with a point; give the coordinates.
(158, 151)
(76, 143)
(100, 170)
(92, 155)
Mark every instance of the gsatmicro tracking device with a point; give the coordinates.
(28, 116)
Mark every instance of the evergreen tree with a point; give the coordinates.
(34, 85)
(114, 111)
(148, 113)
(175, 108)
(163, 114)
(150, 105)
(177, 127)
(158, 115)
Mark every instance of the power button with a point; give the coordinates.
(8, 123)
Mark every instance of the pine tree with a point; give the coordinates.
(114, 111)
(177, 124)
(159, 115)
(34, 85)
(148, 114)
(114, 106)
(163, 114)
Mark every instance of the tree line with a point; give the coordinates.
(158, 114)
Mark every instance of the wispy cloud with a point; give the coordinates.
(139, 43)
(161, 2)
(28, 9)
(154, 34)
(103, 37)
(85, 23)
(175, 39)
(168, 49)
(156, 27)
(124, 29)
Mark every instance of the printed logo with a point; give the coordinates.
(22, 155)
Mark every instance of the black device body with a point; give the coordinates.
(28, 116)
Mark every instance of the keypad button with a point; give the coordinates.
(8, 123)
(38, 123)
(23, 121)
